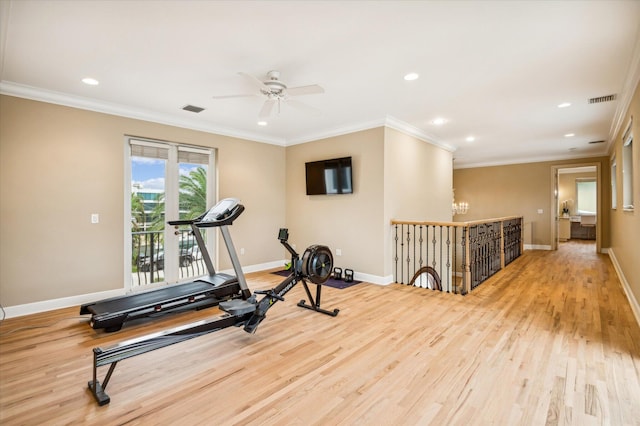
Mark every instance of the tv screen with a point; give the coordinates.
(329, 177)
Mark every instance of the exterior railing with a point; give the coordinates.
(148, 252)
(454, 257)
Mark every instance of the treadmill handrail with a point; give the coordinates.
(227, 220)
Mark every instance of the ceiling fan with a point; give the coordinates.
(276, 92)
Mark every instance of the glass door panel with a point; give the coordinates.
(167, 181)
(193, 169)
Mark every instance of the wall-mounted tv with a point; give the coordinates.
(329, 176)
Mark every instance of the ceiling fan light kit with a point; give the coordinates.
(276, 92)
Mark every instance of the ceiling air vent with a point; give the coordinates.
(595, 142)
(600, 99)
(192, 108)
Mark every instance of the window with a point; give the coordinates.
(614, 183)
(586, 198)
(627, 168)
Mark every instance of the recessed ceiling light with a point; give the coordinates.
(262, 123)
(90, 81)
(470, 139)
(411, 76)
(564, 105)
(438, 121)
(569, 135)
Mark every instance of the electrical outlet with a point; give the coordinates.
(540, 211)
(338, 252)
(241, 251)
(95, 218)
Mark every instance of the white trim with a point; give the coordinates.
(352, 128)
(626, 95)
(537, 247)
(373, 279)
(526, 160)
(407, 128)
(389, 121)
(259, 267)
(635, 306)
(64, 302)
(50, 96)
(128, 249)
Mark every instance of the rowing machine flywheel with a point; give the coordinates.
(317, 264)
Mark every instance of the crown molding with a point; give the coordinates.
(628, 90)
(407, 128)
(512, 161)
(338, 131)
(388, 121)
(52, 97)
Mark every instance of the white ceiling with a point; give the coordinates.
(494, 70)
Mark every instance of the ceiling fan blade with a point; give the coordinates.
(235, 96)
(303, 107)
(254, 81)
(267, 108)
(305, 90)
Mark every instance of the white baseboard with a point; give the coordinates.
(536, 247)
(635, 307)
(373, 279)
(64, 302)
(259, 267)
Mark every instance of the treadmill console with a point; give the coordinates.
(221, 210)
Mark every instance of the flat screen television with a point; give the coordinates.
(329, 176)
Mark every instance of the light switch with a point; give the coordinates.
(95, 218)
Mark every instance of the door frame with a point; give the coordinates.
(555, 205)
(212, 194)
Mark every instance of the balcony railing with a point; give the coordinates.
(148, 261)
(454, 257)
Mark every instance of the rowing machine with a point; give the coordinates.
(315, 265)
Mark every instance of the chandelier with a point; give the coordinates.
(458, 208)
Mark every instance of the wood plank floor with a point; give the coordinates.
(549, 340)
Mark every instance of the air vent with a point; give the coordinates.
(192, 108)
(601, 99)
(595, 142)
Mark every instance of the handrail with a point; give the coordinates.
(454, 256)
(469, 223)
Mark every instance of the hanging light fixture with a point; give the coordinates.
(458, 208)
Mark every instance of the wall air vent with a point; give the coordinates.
(192, 108)
(595, 142)
(600, 99)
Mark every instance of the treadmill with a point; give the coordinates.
(111, 314)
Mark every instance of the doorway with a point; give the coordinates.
(165, 181)
(576, 206)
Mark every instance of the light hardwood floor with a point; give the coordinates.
(549, 340)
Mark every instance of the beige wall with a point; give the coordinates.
(520, 190)
(396, 176)
(418, 183)
(350, 222)
(625, 225)
(58, 165)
